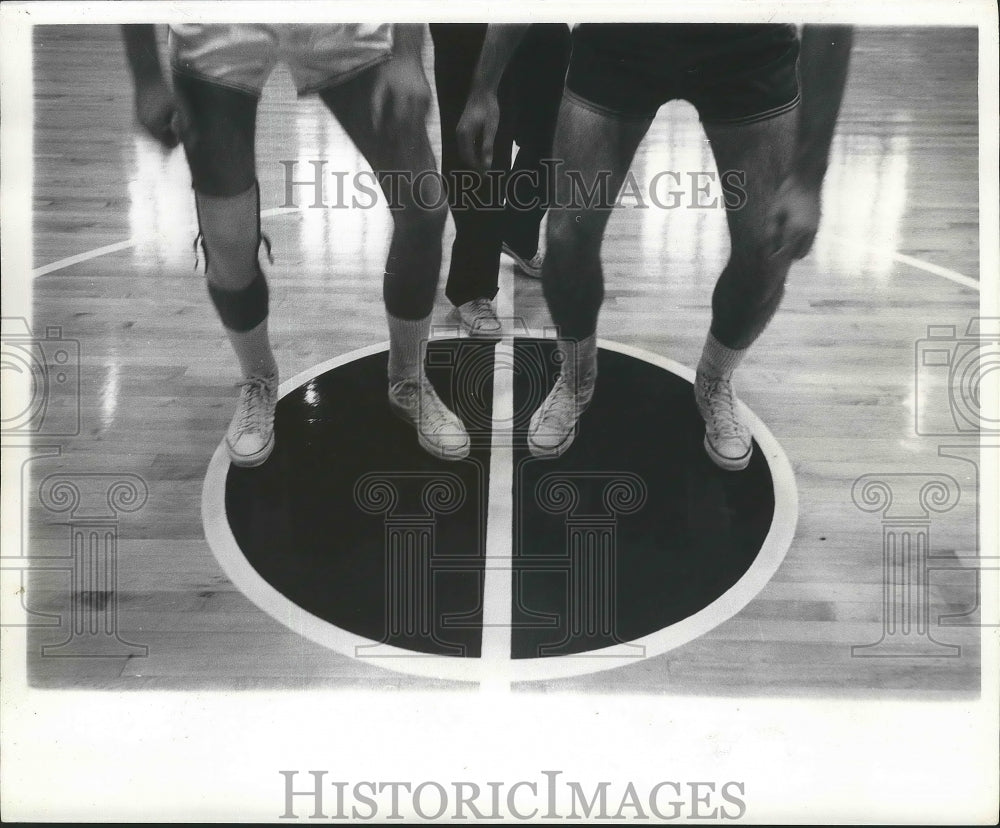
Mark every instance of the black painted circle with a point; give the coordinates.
(631, 530)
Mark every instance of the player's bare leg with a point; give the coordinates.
(219, 144)
(599, 150)
(393, 138)
(752, 284)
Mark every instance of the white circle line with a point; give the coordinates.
(260, 592)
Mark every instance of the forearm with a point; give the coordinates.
(408, 40)
(823, 64)
(501, 41)
(142, 51)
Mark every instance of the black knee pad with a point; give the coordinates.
(574, 306)
(406, 298)
(242, 310)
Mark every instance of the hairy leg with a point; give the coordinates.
(399, 144)
(753, 282)
(596, 151)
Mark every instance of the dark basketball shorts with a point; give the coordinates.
(731, 73)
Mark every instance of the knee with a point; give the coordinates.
(411, 104)
(569, 234)
(759, 268)
(230, 232)
(423, 217)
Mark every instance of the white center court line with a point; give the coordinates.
(498, 578)
(496, 672)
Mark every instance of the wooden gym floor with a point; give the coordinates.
(833, 376)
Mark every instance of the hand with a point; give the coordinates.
(477, 129)
(159, 113)
(402, 90)
(794, 219)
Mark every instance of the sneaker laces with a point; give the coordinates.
(560, 405)
(718, 393)
(482, 311)
(482, 306)
(432, 415)
(254, 405)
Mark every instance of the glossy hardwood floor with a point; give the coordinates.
(833, 377)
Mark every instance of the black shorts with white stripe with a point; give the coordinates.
(731, 73)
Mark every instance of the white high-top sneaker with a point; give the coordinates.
(439, 430)
(727, 439)
(250, 438)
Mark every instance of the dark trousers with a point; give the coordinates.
(529, 97)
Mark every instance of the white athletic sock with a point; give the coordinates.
(717, 360)
(253, 350)
(407, 345)
(579, 365)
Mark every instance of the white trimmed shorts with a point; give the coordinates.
(242, 56)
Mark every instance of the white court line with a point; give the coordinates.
(69, 261)
(499, 674)
(937, 270)
(497, 575)
(902, 258)
(83, 257)
(919, 264)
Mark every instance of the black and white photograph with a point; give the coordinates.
(549, 412)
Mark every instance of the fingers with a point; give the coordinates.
(789, 239)
(803, 244)
(380, 104)
(170, 131)
(162, 127)
(467, 137)
(489, 135)
(791, 229)
(477, 129)
(776, 232)
(181, 125)
(401, 103)
(167, 136)
(412, 108)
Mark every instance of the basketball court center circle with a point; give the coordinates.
(630, 544)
